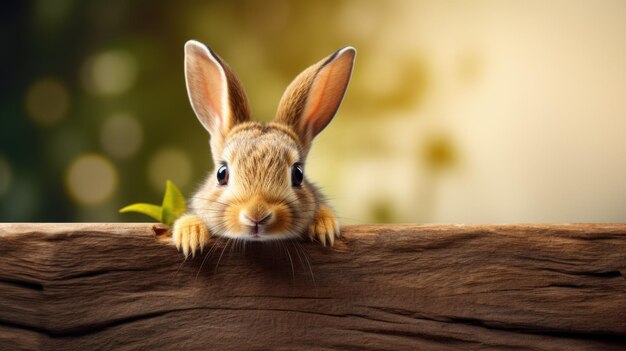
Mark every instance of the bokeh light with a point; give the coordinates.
(439, 153)
(111, 72)
(47, 101)
(121, 136)
(91, 179)
(5, 176)
(169, 163)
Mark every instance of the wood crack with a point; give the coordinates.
(474, 322)
(24, 284)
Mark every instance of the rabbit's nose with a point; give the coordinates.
(255, 219)
(263, 220)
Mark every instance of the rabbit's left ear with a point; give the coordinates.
(215, 93)
(312, 99)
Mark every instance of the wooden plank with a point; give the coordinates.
(430, 287)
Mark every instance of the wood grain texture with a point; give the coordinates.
(396, 287)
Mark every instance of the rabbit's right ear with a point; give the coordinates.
(312, 99)
(215, 93)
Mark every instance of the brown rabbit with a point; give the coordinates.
(257, 190)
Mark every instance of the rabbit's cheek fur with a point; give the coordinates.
(283, 220)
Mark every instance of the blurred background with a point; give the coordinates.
(458, 111)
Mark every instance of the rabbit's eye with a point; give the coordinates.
(296, 175)
(222, 175)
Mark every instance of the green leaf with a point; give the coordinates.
(151, 210)
(173, 206)
(173, 203)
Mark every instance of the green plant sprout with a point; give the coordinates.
(173, 206)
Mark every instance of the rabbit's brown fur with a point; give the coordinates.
(260, 201)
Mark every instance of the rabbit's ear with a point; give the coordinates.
(312, 99)
(215, 93)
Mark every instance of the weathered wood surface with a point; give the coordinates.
(429, 287)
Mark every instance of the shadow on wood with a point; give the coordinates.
(430, 287)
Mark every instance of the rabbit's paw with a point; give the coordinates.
(325, 226)
(189, 234)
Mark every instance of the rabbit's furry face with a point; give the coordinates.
(259, 202)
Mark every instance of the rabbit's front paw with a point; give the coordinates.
(325, 226)
(189, 234)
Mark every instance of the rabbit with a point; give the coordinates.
(257, 190)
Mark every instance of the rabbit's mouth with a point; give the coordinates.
(255, 231)
(266, 225)
(256, 226)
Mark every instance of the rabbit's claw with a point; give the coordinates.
(189, 234)
(325, 227)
